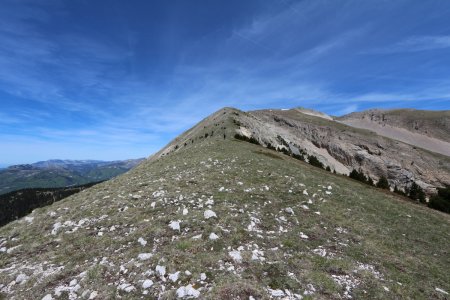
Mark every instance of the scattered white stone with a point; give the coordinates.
(303, 236)
(202, 276)
(221, 189)
(47, 297)
(341, 230)
(236, 256)
(56, 226)
(29, 219)
(347, 282)
(197, 237)
(258, 255)
(328, 192)
(175, 225)
(317, 213)
(320, 251)
(126, 287)
(153, 204)
(276, 293)
(187, 292)
(73, 282)
(142, 241)
(213, 236)
(209, 214)
(305, 207)
(93, 295)
(147, 284)
(187, 273)
(174, 276)
(386, 288)
(289, 210)
(329, 187)
(240, 183)
(161, 270)
(305, 193)
(310, 289)
(12, 249)
(145, 256)
(370, 269)
(21, 278)
(441, 291)
(185, 211)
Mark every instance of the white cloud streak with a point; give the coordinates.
(415, 44)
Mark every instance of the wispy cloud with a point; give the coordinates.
(48, 69)
(346, 110)
(77, 86)
(415, 44)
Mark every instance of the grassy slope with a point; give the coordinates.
(400, 241)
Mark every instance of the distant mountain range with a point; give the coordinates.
(61, 173)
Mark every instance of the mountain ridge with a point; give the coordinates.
(61, 173)
(341, 147)
(425, 129)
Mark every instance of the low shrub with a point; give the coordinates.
(441, 201)
(415, 192)
(383, 183)
(247, 139)
(284, 150)
(298, 156)
(358, 175)
(314, 161)
(269, 146)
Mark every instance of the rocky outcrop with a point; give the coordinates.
(425, 129)
(336, 145)
(344, 148)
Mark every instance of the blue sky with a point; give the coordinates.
(119, 79)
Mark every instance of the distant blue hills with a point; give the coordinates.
(61, 173)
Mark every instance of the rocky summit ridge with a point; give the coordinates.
(217, 214)
(337, 145)
(429, 130)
